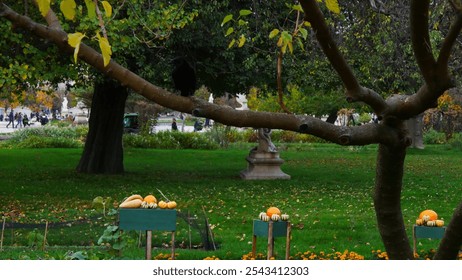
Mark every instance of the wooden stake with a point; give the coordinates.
(3, 229)
(173, 245)
(148, 244)
(254, 245)
(270, 240)
(189, 230)
(289, 230)
(45, 236)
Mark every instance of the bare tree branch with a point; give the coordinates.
(421, 40)
(448, 43)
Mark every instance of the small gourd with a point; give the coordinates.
(152, 205)
(162, 204)
(171, 204)
(261, 215)
(275, 217)
(425, 219)
(419, 222)
(144, 205)
(265, 218)
(431, 223)
(284, 217)
(439, 223)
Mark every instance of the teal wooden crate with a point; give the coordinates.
(260, 228)
(147, 219)
(429, 232)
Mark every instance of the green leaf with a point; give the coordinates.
(226, 19)
(44, 6)
(333, 6)
(107, 8)
(297, 7)
(242, 22)
(68, 9)
(241, 41)
(304, 32)
(244, 13)
(98, 202)
(231, 44)
(91, 8)
(273, 33)
(229, 31)
(300, 44)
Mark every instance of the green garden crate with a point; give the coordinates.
(149, 220)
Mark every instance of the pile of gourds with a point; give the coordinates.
(429, 218)
(147, 202)
(273, 214)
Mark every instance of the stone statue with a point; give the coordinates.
(264, 141)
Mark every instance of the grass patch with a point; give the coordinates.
(329, 197)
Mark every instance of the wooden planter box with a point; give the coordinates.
(271, 230)
(149, 220)
(426, 232)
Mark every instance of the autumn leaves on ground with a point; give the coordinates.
(328, 200)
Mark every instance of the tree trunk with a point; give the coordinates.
(452, 240)
(103, 152)
(387, 197)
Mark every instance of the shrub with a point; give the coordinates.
(456, 141)
(47, 137)
(169, 140)
(434, 137)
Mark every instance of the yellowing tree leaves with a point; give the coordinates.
(44, 6)
(107, 8)
(68, 9)
(91, 8)
(333, 6)
(105, 49)
(74, 40)
(241, 41)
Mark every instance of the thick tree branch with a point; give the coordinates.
(421, 40)
(362, 135)
(354, 91)
(452, 240)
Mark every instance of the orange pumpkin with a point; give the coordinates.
(430, 213)
(273, 210)
(150, 199)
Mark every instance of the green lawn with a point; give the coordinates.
(328, 198)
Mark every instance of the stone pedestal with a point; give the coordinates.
(263, 166)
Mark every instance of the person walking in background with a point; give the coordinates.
(19, 120)
(25, 121)
(10, 119)
(174, 126)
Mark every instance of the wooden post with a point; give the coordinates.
(173, 245)
(254, 246)
(45, 236)
(289, 231)
(3, 229)
(270, 240)
(148, 244)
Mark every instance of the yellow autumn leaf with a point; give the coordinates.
(68, 9)
(105, 49)
(91, 8)
(74, 40)
(333, 6)
(241, 41)
(44, 6)
(107, 8)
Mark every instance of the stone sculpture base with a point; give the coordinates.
(264, 166)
